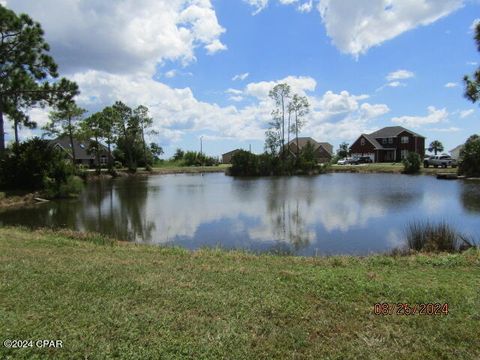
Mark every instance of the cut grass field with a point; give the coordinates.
(395, 168)
(129, 301)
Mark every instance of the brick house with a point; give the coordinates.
(390, 144)
(323, 150)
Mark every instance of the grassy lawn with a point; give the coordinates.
(144, 302)
(387, 168)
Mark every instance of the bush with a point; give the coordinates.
(425, 236)
(412, 163)
(27, 166)
(470, 155)
(193, 158)
(244, 163)
(72, 187)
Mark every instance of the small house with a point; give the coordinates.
(323, 151)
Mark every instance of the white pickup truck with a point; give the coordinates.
(439, 160)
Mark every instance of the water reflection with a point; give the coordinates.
(329, 214)
(470, 195)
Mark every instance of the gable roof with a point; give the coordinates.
(392, 131)
(302, 141)
(80, 146)
(373, 141)
(231, 152)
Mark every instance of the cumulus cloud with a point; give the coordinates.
(124, 36)
(372, 22)
(434, 116)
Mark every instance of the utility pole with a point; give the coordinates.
(201, 145)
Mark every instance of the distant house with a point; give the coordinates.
(390, 144)
(227, 157)
(83, 155)
(323, 150)
(455, 152)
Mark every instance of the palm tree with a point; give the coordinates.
(435, 146)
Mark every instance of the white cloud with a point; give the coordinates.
(171, 74)
(259, 5)
(434, 116)
(395, 84)
(240, 77)
(472, 63)
(400, 75)
(299, 85)
(465, 113)
(474, 24)
(451, 85)
(306, 7)
(372, 22)
(449, 129)
(124, 36)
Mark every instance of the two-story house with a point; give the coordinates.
(390, 144)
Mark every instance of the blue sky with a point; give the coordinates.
(204, 67)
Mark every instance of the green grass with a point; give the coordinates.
(396, 168)
(127, 301)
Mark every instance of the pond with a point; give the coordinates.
(312, 216)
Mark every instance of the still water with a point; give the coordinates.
(322, 215)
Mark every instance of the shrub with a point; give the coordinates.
(27, 165)
(244, 163)
(70, 188)
(426, 236)
(470, 155)
(412, 163)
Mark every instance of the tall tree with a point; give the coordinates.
(435, 146)
(64, 122)
(92, 127)
(472, 84)
(144, 122)
(126, 128)
(26, 67)
(107, 123)
(281, 95)
(300, 107)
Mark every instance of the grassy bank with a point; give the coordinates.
(144, 302)
(395, 168)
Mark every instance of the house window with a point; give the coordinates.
(362, 141)
(405, 139)
(403, 154)
(390, 140)
(103, 160)
(384, 141)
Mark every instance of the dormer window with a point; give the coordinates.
(405, 139)
(362, 141)
(390, 140)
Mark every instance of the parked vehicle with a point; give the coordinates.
(342, 161)
(439, 160)
(364, 160)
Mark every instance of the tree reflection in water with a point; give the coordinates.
(470, 195)
(285, 213)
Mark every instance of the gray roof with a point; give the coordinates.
(80, 146)
(302, 141)
(231, 152)
(373, 141)
(392, 131)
